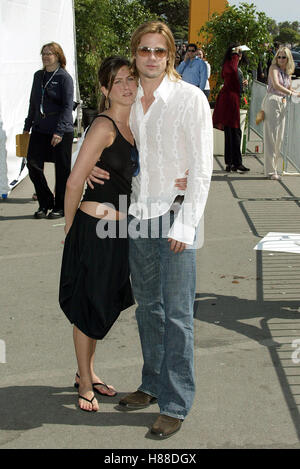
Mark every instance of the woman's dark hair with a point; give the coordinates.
(107, 73)
(229, 52)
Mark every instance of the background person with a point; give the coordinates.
(264, 63)
(274, 107)
(226, 115)
(193, 70)
(51, 121)
(177, 59)
(201, 55)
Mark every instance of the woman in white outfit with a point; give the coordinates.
(274, 106)
(201, 55)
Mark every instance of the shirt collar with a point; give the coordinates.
(162, 91)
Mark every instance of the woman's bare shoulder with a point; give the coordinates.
(102, 122)
(273, 67)
(102, 128)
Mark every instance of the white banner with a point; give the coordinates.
(25, 26)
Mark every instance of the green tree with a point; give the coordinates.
(125, 16)
(103, 28)
(273, 27)
(175, 13)
(242, 24)
(295, 25)
(288, 36)
(92, 42)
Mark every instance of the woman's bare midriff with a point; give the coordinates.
(97, 210)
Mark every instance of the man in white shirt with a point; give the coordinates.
(171, 123)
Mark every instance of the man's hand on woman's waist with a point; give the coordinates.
(99, 175)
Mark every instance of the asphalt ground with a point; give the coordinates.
(247, 324)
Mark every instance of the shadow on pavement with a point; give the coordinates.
(28, 407)
(277, 304)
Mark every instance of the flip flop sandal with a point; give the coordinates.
(103, 393)
(76, 385)
(88, 400)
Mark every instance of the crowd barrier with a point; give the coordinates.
(290, 150)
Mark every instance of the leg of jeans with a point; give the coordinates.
(164, 287)
(177, 383)
(145, 277)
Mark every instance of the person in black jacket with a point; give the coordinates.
(51, 122)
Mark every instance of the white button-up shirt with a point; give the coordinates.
(174, 135)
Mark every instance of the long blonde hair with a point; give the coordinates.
(290, 66)
(160, 28)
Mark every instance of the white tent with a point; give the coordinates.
(25, 25)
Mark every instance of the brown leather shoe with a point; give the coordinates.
(166, 426)
(137, 400)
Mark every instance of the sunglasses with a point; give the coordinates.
(159, 52)
(281, 57)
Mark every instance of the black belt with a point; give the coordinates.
(178, 199)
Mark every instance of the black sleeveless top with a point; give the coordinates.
(121, 160)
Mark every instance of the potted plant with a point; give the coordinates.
(244, 25)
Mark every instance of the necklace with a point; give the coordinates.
(44, 89)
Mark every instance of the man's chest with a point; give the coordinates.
(160, 119)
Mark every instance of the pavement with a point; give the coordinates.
(247, 331)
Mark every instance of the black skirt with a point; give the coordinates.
(94, 282)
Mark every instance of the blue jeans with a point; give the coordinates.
(164, 288)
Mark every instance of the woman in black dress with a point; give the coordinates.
(94, 283)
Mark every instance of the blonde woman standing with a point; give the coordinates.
(274, 106)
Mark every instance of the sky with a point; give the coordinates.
(279, 10)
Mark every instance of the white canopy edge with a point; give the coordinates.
(25, 26)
